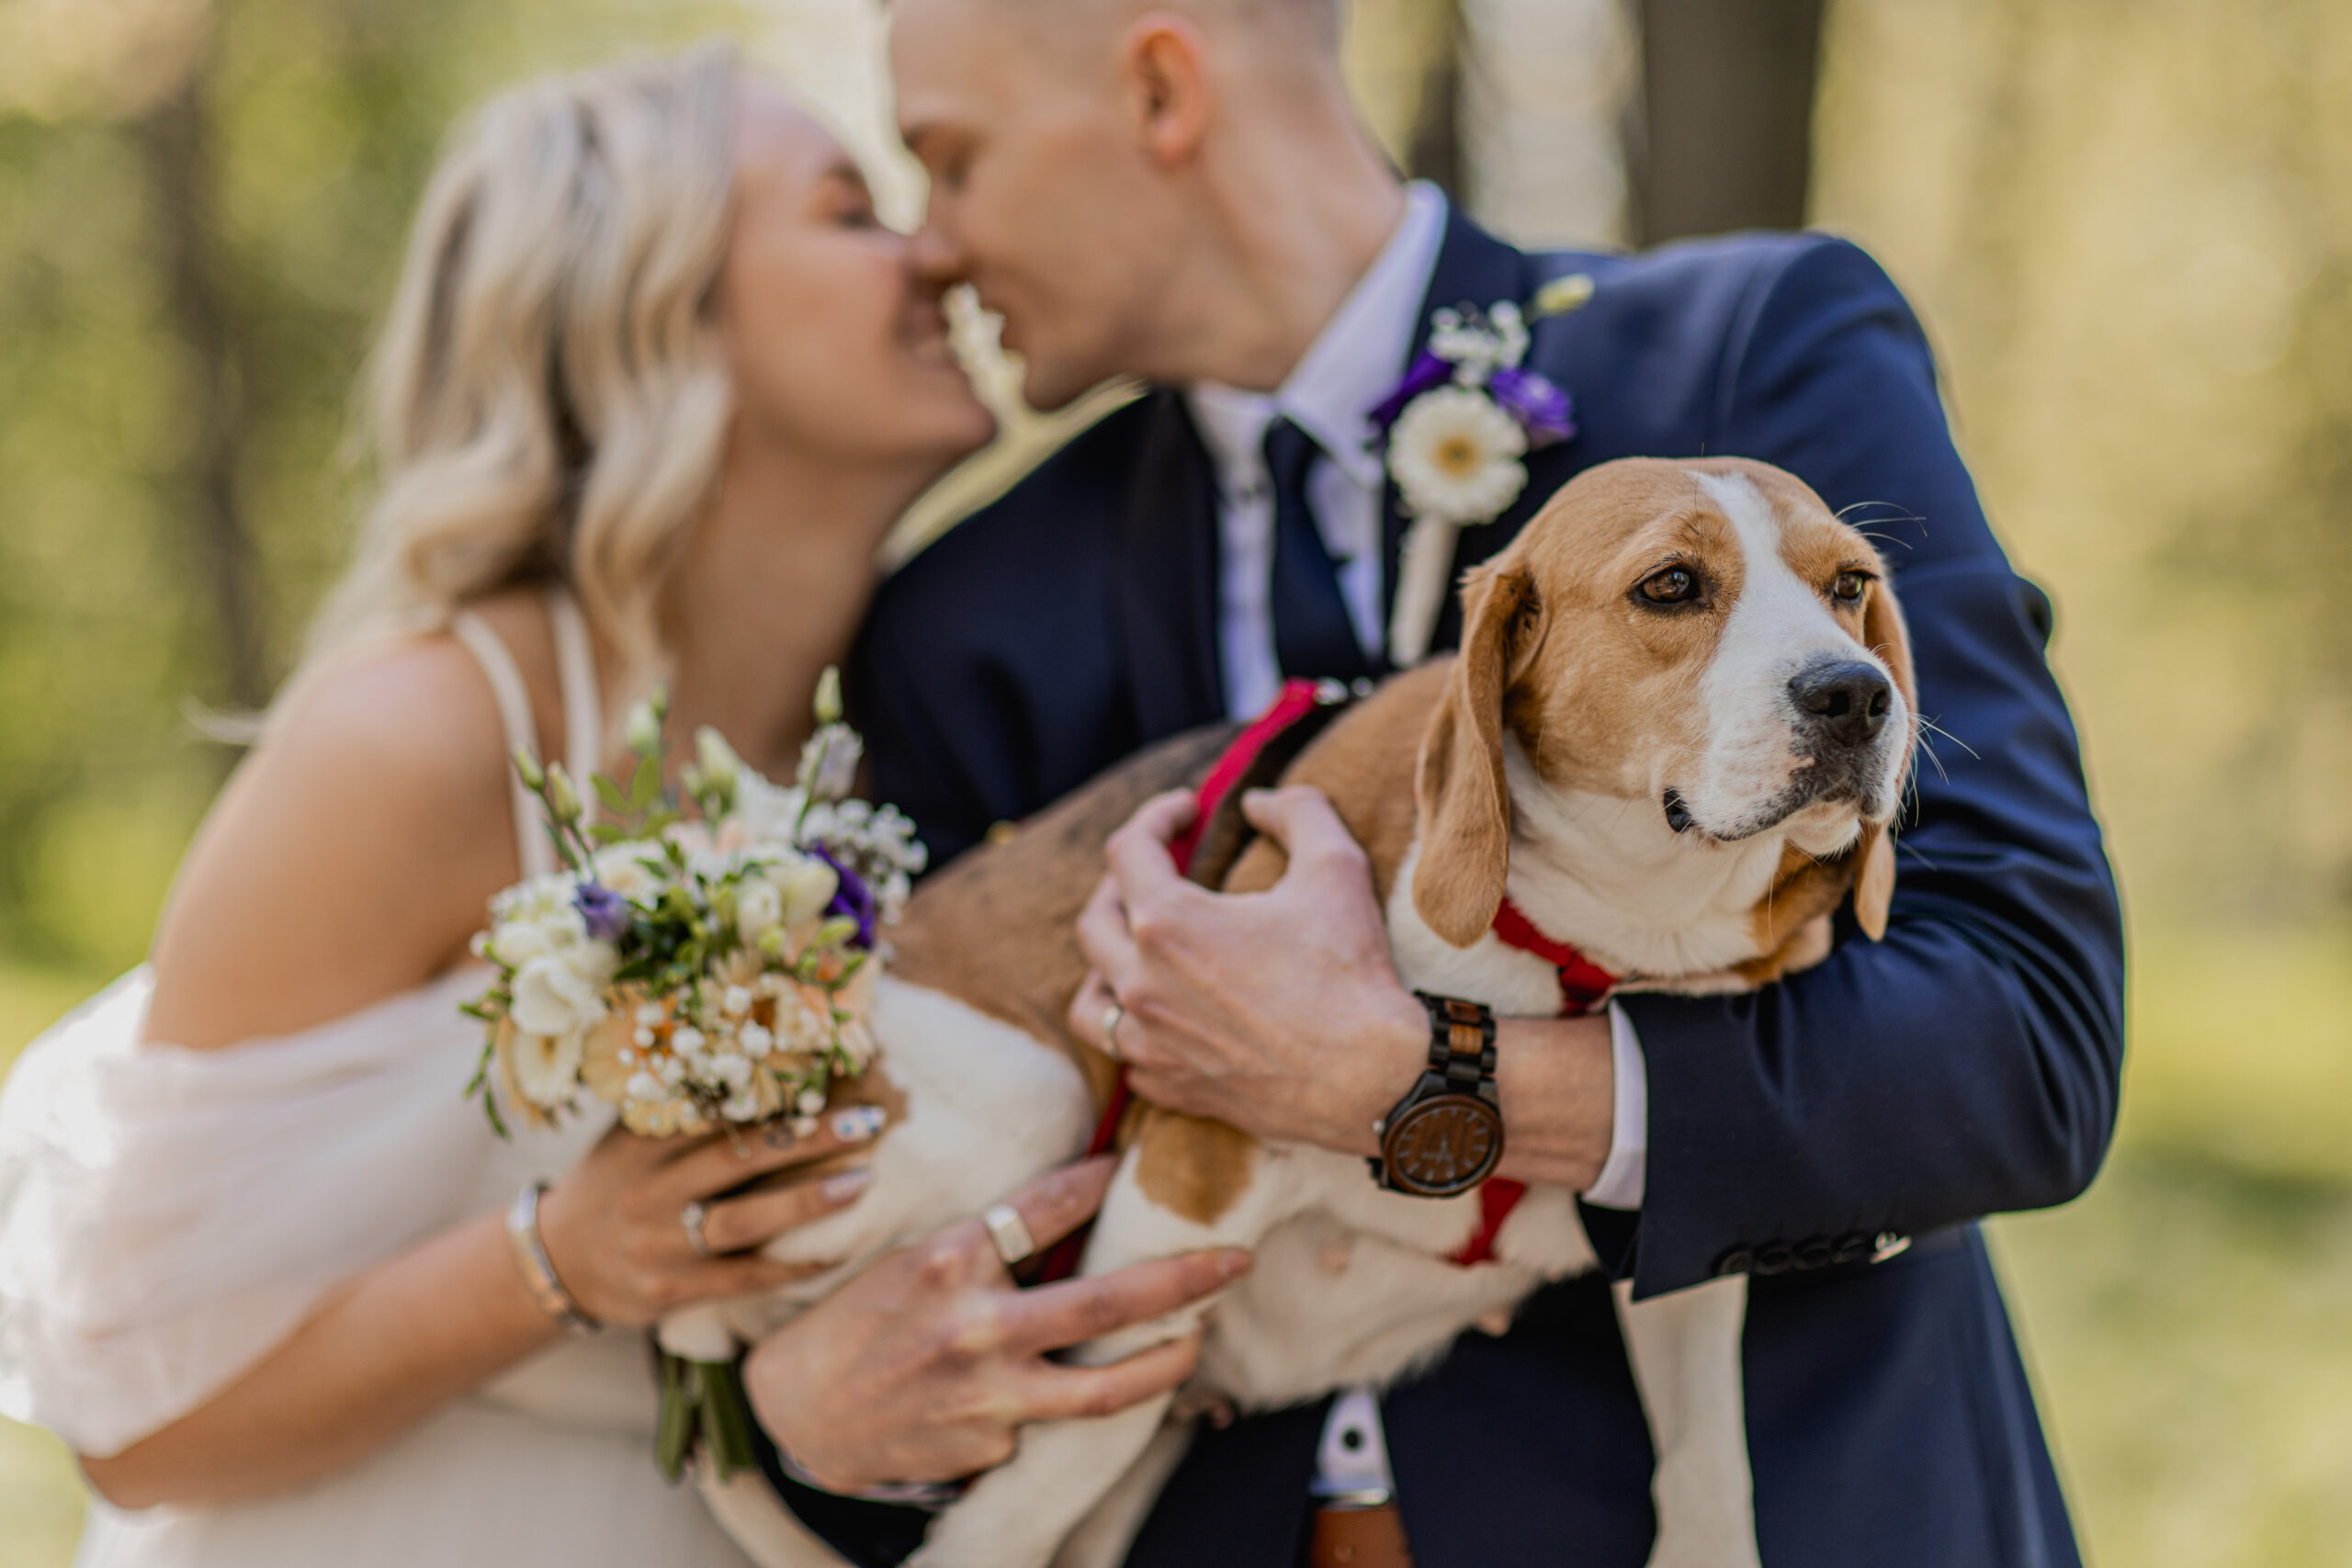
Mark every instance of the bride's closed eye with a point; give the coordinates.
(846, 203)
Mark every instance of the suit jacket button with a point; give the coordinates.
(1738, 1261)
(1774, 1257)
(1815, 1254)
(1851, 1248)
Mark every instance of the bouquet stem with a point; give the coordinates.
(703, 1407)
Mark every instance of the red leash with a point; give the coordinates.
(1295, 701)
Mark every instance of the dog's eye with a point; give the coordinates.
(1850, 586)
(1672, 586)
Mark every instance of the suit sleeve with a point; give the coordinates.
(1969, 1063)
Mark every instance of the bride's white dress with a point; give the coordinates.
(167, 1216)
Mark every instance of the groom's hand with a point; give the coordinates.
(926, 1366)
(1278, 1013)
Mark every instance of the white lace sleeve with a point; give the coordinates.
(168, 1215)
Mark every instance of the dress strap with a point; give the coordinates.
(531, 847)
(583, 702)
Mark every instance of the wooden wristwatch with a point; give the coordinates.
(1446, 1135)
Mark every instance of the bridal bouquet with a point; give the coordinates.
(705, 960)
(698, 964)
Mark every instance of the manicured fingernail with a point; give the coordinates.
(847, 1185)
(1233, 1262)
(858, 1123)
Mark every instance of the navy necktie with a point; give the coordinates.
(1314, 636)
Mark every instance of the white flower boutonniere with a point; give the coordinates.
(1454, 456)
(1457, 428)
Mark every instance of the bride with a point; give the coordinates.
(654, 385)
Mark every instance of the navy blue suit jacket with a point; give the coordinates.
(1966, 1065)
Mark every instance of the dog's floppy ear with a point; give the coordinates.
(1883, 633)
(1462, 798)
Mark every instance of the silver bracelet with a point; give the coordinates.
(538, 1274)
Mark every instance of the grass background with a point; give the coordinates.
(2185, 1321)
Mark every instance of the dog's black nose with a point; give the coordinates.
(1844, 701)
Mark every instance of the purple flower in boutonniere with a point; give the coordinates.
(1427, 371)
(604, 911)
(1538, 404)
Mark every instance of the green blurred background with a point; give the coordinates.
(2128, 224)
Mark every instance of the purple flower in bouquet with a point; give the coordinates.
(606, 912)
(1536, 401)
(853, 898)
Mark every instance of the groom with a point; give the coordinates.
(1180, 192)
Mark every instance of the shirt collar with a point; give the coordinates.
(1351, 364)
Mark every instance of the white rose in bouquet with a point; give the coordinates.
(546, 1068)
(554, 996)
(759, 909)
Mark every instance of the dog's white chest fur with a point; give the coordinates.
(1357, 1287)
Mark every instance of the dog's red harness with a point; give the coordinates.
(1583, 984)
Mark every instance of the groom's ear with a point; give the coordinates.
(1163, 64)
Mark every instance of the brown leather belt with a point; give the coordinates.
(1359, 1538)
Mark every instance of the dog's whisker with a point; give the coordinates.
(1929, 724)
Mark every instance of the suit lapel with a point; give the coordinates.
(1166, 576)
(1473, 268)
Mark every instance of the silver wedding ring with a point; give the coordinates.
(692, 1217)
(1111, 1018)
(1010, 1232)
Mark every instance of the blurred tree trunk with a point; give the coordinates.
(1436, 152)
(1726, 137)
(174, 140)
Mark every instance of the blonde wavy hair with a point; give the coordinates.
(549, 401)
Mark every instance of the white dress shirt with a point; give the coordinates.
(1355, 361)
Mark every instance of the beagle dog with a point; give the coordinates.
(1676, 737)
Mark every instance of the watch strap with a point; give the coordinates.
(1462, 1043)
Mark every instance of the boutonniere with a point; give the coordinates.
(1454, 431)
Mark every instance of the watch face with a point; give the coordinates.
(1445, 1144)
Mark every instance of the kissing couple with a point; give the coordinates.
(654, 386)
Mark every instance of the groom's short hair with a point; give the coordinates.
(1312, 21)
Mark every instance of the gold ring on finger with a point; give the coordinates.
(1010, 1233)
(692, 1218)
(1112, 1016)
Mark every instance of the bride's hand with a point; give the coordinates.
(925, 1367)
(614, 1227)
